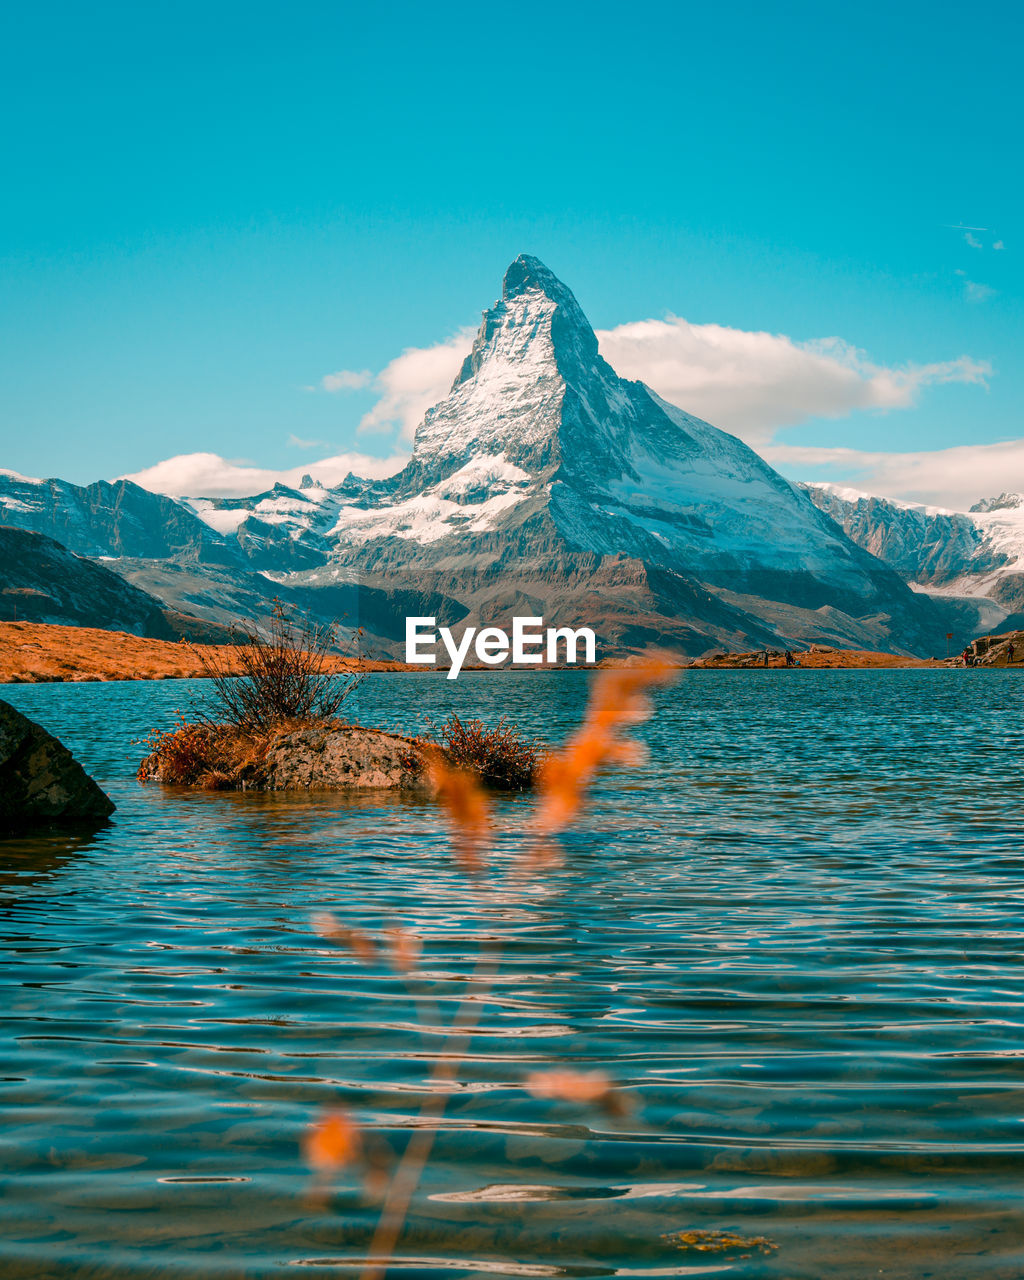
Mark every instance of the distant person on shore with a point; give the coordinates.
(790, 660)
(766, 657)
(1009, 653)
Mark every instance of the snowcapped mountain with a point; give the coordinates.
(162, 548)
(543, 484)
(1005, 502)
(539, 431)
(118, 519)
(977, 554)
(546, 483)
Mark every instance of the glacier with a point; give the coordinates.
(975, 555)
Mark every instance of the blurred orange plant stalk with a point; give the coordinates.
(468, 812)
(333, 1142)
(618, 699)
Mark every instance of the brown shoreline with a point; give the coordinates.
(817, 658)
(41, 653)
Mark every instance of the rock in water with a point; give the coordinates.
(319, 757)
(340, 759)
(40, 780)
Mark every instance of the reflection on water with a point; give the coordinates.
(795, 939)
(30, 862)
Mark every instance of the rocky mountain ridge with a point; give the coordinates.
(1004, 502)
(971, 555)
(41, 581)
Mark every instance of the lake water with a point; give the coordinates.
(794, 939)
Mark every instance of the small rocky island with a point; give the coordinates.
(331, 755)
(272, 723)
(328, 756)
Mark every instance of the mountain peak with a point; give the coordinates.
(536, 319)
(1005, 502)
(528, 273)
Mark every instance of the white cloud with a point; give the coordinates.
(998, 245)
(415, 381)
(297, 442)
(978, 292)
(955, 477)
(973, 240)
(750, 383)
(408, 386)
(753, 383)
(973, 291)
(208, 475)
(346, 380)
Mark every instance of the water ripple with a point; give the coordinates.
(795, 940)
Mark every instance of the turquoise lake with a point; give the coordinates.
(794, 939)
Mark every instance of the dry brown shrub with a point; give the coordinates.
(284, 676)
(499, 758)
(213, 757)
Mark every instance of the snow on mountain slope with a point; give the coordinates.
(536, 413)
(16, 475)
(975, 553)
(537, 425)
(621, 470)
(283, 529)
(1004, 502)
(113, 520)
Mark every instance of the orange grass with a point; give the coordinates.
(42, 652)
(214, 757)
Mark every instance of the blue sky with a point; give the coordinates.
(208, 208)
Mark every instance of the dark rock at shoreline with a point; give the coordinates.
(41, 783)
